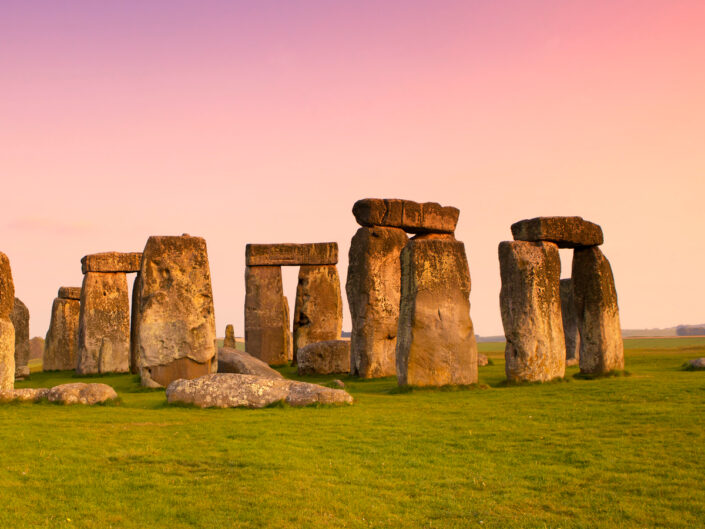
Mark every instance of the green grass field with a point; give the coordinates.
(609, 453)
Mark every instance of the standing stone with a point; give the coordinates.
(176, 329)
(266, 331)
(530, 302)
(288, 336)
(20, 321)
(601, 346)
(104, 324)
(436, 340)
(318, 311)
(61, 344)
(373, 288)
(134, 322)
(570, 323)
(7, 330)
(229, 340)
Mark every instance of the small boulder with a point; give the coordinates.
(80, 393)
(697, 363)
(338, 383)
(234, 361)
(482, 359)
(324, 358)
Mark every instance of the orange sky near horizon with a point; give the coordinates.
(265, 121)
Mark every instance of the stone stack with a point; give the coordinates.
(318, 309)
(20, 321)
(61, 344)
(175, 321)
(7, 330)
(104, 320)
(531, 301)
(409, 299)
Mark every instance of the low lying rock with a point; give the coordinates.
(697, 363)
(24, 394)
(482, 360)
(230, 390)
(324, 358)
(234, 361)
(80, 393)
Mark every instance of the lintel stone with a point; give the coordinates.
(566, 232)
(412, 217)
(69, 292)
(289, 254)
(112, 262)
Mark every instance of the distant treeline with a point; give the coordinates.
(690, 330)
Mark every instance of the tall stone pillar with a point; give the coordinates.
(435, 339)
(267, 334)
(229, 340)
(373, 289)
(530, 303)
(570, 323)
(7, 330)
(61, 343)
(318, 311)
(20, 321)
(601, 346)
(288, 336)
(134, 322)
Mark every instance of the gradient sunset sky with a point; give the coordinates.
(264, 121)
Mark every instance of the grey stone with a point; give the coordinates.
(570, 323)
(20, 321)
(61, 344)
(80, 393)
(566, 232)
(234, 361)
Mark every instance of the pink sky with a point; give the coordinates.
(264, 121)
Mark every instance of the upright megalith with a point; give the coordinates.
(570, 323)
(176, 328)
(435, 338)
(104, 324)
(601, 346)
(229, 340)
(530, 303)
(288, 336)
(7, 330)
(373, 289)
(20, 321)
(318, 311)
(134, 322)
(61, 344)
(267, 334)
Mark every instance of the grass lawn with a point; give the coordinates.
(608, 453)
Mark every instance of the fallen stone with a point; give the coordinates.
(24, 395)
(233, 361)
(482, 360)
(435, 340)
(570, 323)
(530, 303)
(176, 328)
(408, 215)
(229, 340)
(288, 254)
(338, 383)
(697, 363)
(324, 358)
(20, 321)
(318, 311)
(566, 232)
(70, 293)
(80, 393)
(601, 346)
(61, 343)
(373, 289)
(111, 262)
(228, 390)
(104, 325)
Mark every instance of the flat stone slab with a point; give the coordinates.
(412, 217)
(229, 390)
(231, 360)
(77, 393)
(112, 262)
(290, 254)
(69, 293)
(566, 232)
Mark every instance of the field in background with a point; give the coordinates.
(618, 452)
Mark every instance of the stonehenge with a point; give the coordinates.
(538, 344)
(318, 310)
(175, 327)
(7, 330)
(61, 343)
(20, 321)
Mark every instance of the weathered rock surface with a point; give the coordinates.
(135, 318)
(231, 360)
(482, 360)
(288, 335)
(176, 328)
(111, 262)
(267, 334)
(318, 311)
(7, 354)
(24, 394)
(324, 358)
(373, 289)
(7, 287)
(601, 346)
(570, 323)
(104, 325)
(697, 363)
(228, 390)
(408, 215)
(530, 303)
(229, 340)
(70, 293)
(435, 338)
(288, 254)
(80, 393)
(61, 344)
(566, 232)
(20, 321)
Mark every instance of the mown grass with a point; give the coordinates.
(622, 452)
